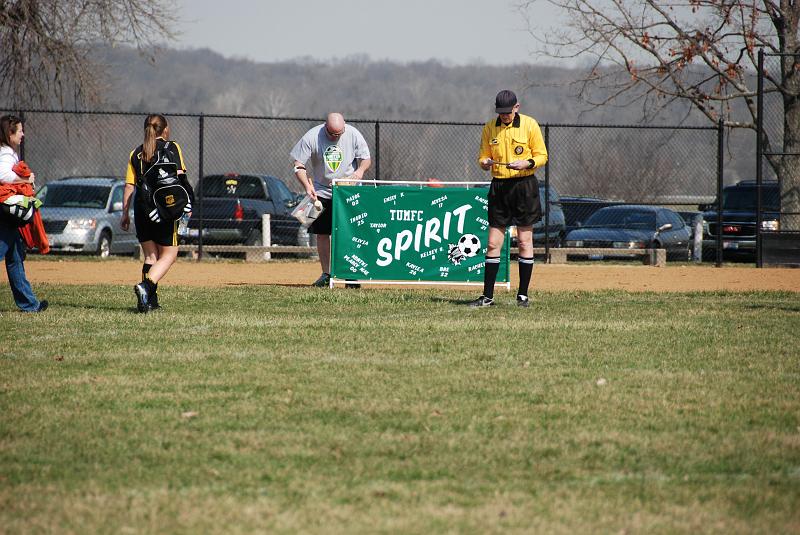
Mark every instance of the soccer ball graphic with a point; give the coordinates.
(469, 244)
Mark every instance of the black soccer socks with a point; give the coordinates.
(525, 272)
(490, 275)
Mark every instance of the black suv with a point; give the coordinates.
(739, 218)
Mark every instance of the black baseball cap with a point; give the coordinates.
(505, 101)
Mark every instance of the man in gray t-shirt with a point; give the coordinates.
(336, 150)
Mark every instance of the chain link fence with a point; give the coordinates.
(591, 167)
(775, 227)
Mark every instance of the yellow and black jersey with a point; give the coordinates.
(167, 153)
(520, 140)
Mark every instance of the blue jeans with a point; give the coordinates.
(12, 248)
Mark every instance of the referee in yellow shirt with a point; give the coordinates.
(512, 147)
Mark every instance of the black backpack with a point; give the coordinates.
(17, 215)
(166, 192)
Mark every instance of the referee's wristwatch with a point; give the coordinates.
(533, 164)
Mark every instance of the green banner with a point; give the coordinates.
(411, 233)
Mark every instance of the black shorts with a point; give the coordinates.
(164, 233)
(514, 201)
(324, 223)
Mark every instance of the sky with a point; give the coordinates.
(492, 32)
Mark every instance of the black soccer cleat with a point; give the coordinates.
(523, 301)
(322, 282)
(153, 302)
(142, 297)
(482, 301)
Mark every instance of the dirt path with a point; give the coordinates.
(546, 277)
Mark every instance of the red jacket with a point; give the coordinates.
(33, 233)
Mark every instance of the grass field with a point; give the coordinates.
(274, 409)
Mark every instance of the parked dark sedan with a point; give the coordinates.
(634, 227)
(579, 209)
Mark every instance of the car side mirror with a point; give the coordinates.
(665, 226)
(116, 207)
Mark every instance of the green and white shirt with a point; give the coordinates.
(330, 158)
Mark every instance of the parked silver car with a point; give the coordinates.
(82, 214)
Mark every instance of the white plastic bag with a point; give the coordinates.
(306, 212)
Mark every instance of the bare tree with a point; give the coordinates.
(46, 44)
(273, 102)
(657, 52)
(232, 99)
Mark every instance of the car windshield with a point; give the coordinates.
(76, 196)
(622, 218)
(242, 187)
(745, 199)
(283, 191)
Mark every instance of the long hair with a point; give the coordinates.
(8, 125)
(154, 126)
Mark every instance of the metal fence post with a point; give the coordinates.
(377, 150)
(199, 200)
(546, 199)
(759, 153)
(720, 172)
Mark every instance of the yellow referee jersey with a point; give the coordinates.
(521, 140)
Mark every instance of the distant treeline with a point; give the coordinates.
(202, 81)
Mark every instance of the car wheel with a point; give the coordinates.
(104, 245)
(255, 239)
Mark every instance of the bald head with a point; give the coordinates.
(334, 125)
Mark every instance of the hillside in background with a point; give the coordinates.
(195, 81)
(202, 81)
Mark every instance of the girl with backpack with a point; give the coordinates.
(156, 172)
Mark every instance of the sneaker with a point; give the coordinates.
(523, 301)
(142, 297)
(482, 301)
(41, 308)
(323, 281)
